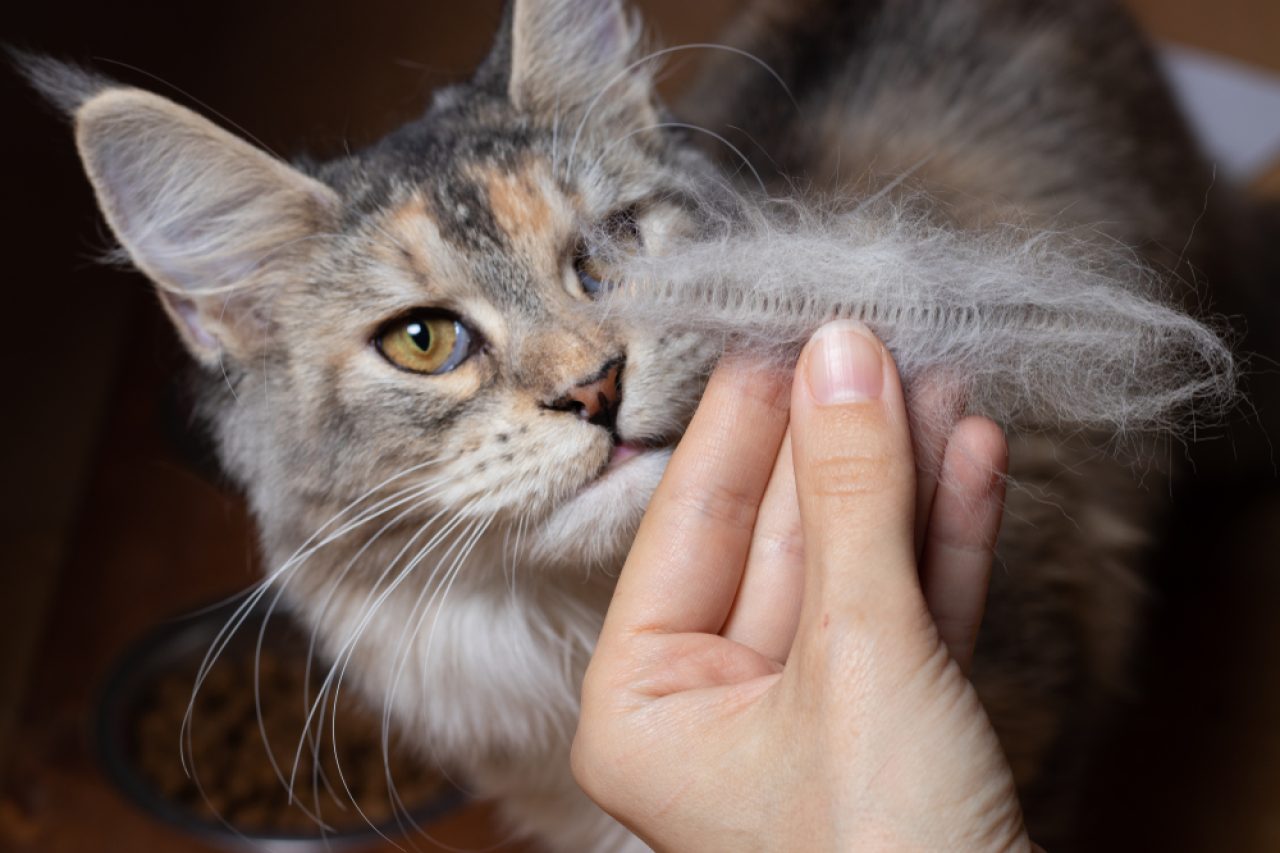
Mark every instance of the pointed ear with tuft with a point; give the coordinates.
(201, 212)
(565, 52)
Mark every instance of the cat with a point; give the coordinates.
(446, 464)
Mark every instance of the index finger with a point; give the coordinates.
(684, 568)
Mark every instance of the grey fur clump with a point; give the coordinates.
(1038, 330)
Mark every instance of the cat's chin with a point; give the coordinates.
(595, 527)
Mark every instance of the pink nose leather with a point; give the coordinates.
(600, 395)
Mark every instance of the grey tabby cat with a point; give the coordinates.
(447, 465)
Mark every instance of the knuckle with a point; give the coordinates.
(722, 504)
(852, 475)
(954, 544)
(771, 394)
(759, 385)
(785, 544)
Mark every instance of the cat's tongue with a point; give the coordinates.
(622, 452)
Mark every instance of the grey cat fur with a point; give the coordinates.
(1037, 329)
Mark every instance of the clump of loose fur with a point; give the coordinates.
(1040, 330)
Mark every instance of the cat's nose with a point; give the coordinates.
(595, 399)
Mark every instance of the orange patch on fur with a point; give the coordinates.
(520, 205)
(412, 230)
(405, 222)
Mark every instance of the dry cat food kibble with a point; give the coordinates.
(231, 763)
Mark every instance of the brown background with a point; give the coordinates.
(105, 531)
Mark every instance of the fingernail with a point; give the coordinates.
(845, 364)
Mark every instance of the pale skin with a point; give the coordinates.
(784, 664)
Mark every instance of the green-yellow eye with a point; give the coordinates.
(425, 342)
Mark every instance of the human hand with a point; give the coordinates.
(783, 663)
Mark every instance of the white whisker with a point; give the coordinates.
(621, 75)
(337, 687)
(404, 647)
(338, 667)
(686, 126)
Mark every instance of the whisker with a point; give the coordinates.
(687, 126)
(257, 706)
(251, 600)
(621, 75)
(203, 105)
(894, 184)
(403, 656)
(327, 603)
(291, 781)
(225, 635)
(555, 139)
(320, 694)
(346, 651)
(521, 531)
(337, 688)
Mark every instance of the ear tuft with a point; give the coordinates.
(66, 85)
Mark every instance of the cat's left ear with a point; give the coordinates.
(211, 219)
(572, 54)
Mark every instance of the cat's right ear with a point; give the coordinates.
(201, 212)
(570, 54)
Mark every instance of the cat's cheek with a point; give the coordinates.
(596, 527)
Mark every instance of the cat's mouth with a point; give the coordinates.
(596, 523)
(624, 450)
(625, 453)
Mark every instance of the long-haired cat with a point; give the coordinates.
(447, 463)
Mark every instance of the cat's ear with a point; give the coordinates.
(201, 212)
(567, 54)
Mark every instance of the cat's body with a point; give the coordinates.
(1005, 111)
(477, 597)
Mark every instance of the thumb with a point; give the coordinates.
(855, 476)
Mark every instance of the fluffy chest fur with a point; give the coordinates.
(472, 676)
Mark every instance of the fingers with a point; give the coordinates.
(961, 534)
(942, 400)
(684, 569)
(855, 477)
(767, 608)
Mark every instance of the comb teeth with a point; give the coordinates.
(907, 317)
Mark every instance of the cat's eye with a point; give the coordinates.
(622, 233)
(590, 276)
(425, 342)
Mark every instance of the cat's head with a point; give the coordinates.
(417, 306)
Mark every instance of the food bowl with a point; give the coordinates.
(236, 798)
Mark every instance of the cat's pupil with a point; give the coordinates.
(420, 334)
(591, 282)
(624, 232)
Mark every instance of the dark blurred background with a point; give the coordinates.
(108, 529)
